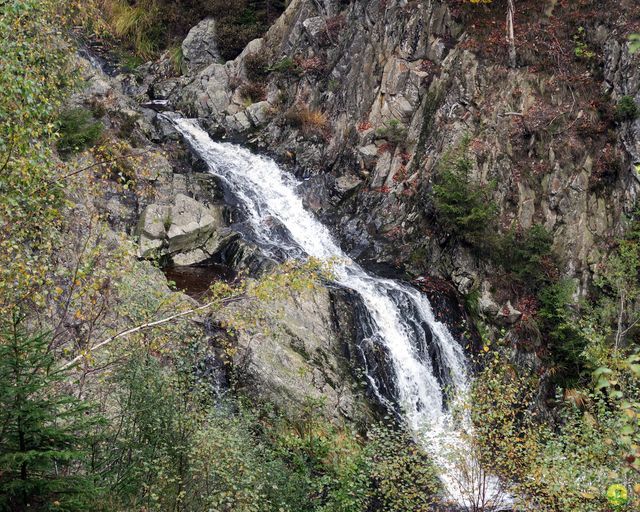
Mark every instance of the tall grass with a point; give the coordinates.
(148, 27)
(139, 25)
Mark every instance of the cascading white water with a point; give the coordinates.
(401, 318)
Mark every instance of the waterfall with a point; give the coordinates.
(424, 357)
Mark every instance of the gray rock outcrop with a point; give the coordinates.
(187, 231)
(301, 354)
(199, 49)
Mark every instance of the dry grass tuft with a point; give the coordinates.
(309, 121)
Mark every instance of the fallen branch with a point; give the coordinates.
(155, 323)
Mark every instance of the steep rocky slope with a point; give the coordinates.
(364, 98)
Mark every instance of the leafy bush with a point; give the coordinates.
(403, 476)
(78, 130)
(626, 109)
(34, 81)
(566, 469)
(464, 208)
(286, 65)
(170, 447)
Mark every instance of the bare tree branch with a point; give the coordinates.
(155, 323)
(102, 162)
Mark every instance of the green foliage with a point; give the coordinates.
(506, 438)
(581, 48)
(570, 468)
(393, 131)
(464, 208)
(634, 43)
(403, 476)
(626, 109)
(170, 448)
(525, 255)
(579, 463)
(564, 339)
(286, 65)
(46, 431)
(34, 78)
(78, 130)
(597, 369)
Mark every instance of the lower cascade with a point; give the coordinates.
(424, 357)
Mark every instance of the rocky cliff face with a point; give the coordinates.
(365, 97)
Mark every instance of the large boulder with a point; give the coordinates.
(187, 231)
(302, 352)
(199, 48)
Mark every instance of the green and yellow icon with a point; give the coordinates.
(617, 495)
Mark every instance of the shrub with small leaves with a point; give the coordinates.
(286, 66)
(393, 131)
(253, 92)
(626, 109)
(403, 476)
(256, 66)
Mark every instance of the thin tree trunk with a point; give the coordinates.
(620, 319)
(511, 39)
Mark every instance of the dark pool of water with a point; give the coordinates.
(195, 281)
